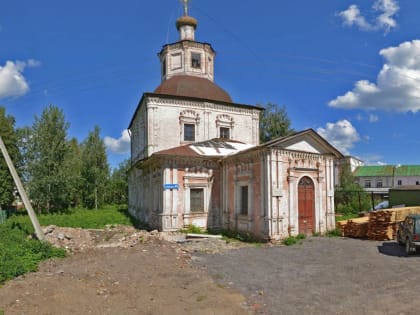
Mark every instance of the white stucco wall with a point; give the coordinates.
(158, 124)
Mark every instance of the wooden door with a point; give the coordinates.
(306, 199)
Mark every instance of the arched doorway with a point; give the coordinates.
(306, 199)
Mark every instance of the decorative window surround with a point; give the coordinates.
(189, 117)
(197, 178)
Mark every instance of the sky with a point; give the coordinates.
(349, 69)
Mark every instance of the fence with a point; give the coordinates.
(355, 201)
(3, 216)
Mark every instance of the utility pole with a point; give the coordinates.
(38, 231)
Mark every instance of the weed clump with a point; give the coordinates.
(292, 240)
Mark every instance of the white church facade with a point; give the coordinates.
(196, 157)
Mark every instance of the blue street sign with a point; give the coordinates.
(170, 186)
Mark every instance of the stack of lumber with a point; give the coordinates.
(383, 224)
(357, 227)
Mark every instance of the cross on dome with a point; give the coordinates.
(185, 2)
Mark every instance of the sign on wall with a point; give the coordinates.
(170, 186)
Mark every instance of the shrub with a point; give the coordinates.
(334, 233)
(292, 240)
(191, 228)
(20, 254)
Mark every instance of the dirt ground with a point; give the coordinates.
(114, 272)
(119, 272)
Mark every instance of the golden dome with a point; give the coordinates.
(186, 20)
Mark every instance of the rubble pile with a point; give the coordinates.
(78, 239)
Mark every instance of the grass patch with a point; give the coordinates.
(235, 236)
(346, 216)
(333, 233)
(79, 218)
(191, 228)
(292, 240)
(20, 254)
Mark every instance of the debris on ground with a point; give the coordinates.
(79, 240)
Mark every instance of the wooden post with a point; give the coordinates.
(38, 231)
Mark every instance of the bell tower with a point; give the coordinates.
(187, 56)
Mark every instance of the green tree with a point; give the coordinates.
(118, 184)
(74, 164)
(94, 170)
(48, 167)
(350, 197)
(8, 134)
(274, 122)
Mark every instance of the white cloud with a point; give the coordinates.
(387, 9)
(342, 135)
(119, 146)
(352, 16)
(33, 63)
(12, 81)
(373, 118)
(397, 87)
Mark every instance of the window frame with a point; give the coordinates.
(244, 200)
(195, 60)
(195, 207)
(222, 130)
(189, 133)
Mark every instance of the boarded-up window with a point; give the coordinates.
(197, 200)
(244, 200)
(176, 61)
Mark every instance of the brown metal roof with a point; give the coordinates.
(184, 150)
(190, 86)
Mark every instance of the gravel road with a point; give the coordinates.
(321, 276)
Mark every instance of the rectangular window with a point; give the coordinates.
(189, 132)
(197, 200)
(367, 183)
(196, 60)
(417, 183)
(164, 67)
(224, 133)
(176, 61)
(399, 183)
(244, 200)
(379, 184)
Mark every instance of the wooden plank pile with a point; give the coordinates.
(357, 227)
(383, 224)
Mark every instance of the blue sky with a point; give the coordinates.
(348, 69)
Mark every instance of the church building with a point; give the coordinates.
(196, 157)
